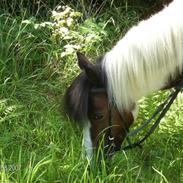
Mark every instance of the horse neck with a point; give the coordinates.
(146, 58)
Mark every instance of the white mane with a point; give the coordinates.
(148, 55)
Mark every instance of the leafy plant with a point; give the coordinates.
(71, 33)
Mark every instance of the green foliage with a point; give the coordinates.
(71, 33)
(64, 27)
(38, 143)
(23, 49)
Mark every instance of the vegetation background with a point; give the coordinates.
(38, 143)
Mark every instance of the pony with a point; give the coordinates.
(103, 97)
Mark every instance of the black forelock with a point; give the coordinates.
(76, 97)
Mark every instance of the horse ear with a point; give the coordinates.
(88, 67)
(83, 62)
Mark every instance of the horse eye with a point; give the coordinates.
(97, 116)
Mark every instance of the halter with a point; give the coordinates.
(161, 110)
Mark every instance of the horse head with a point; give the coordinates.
(87, 102)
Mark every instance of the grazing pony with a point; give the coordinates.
(103, 98)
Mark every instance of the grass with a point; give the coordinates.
(38, 143)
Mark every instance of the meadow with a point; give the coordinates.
(38, 142)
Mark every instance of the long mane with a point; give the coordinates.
(148, 55)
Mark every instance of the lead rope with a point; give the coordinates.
(163, 108)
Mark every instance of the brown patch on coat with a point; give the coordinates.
(100, 124)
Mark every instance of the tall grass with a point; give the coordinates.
(38, 143)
